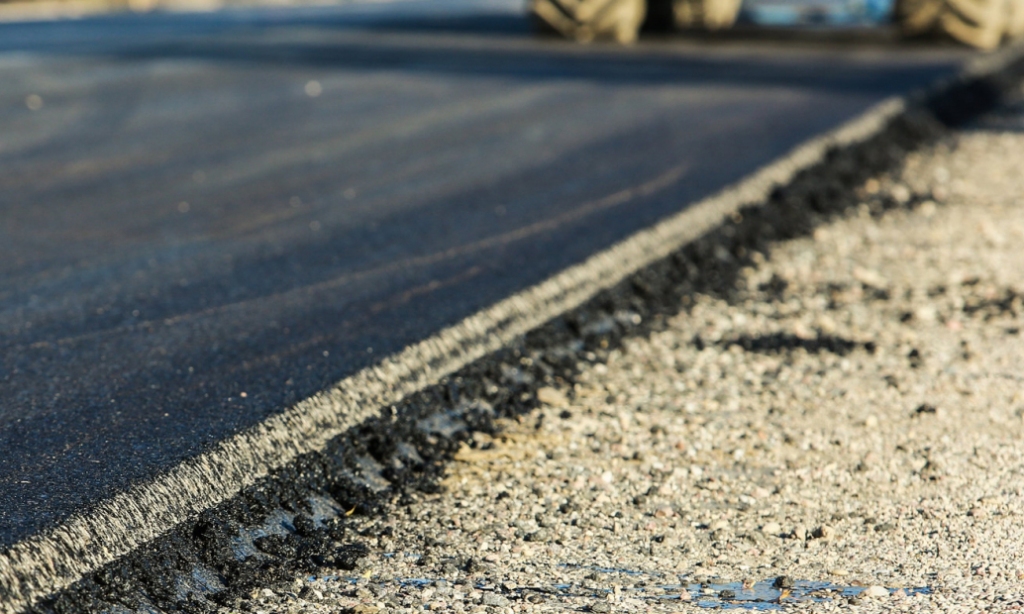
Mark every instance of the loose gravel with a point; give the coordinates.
(845, 431)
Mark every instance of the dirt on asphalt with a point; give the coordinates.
(845, 430)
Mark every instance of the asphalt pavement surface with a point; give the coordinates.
(206, 218)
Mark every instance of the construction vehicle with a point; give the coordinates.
(984, 24)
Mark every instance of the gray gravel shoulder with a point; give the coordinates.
(848, 433)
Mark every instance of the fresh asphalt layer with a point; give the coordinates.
(207, 218)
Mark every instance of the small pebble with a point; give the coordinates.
(901, 193)
(552, 397)
(494, 599)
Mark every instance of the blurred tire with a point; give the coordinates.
(979, 23)
(1015, 25)
(590, 20)
(705, 14)
(660, 16)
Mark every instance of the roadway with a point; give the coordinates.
(205, 218)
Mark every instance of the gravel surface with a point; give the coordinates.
(847, 433)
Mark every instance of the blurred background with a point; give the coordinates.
(753, 12)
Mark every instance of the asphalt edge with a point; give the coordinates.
(41, 566)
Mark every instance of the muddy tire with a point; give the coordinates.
(979, 23)
(589, 20)
(705, 14)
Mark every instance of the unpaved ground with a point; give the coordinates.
(853, 422)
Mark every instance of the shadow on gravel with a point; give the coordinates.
(777, 343)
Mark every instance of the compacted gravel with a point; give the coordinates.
(846, 433)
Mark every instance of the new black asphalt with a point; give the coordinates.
(206, 218)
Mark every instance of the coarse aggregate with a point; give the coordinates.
(844, 432)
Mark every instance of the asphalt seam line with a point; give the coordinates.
(45, 564)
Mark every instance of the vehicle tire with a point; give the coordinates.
(660, 17)
(589, 20)
(705, 14)
(979, 23)
(1015, 22)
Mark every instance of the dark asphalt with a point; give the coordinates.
(447, 163)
